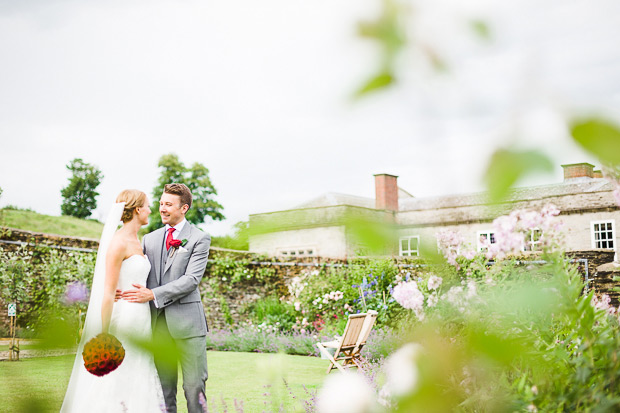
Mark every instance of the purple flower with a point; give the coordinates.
(76, 292)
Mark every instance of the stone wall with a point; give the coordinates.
(11, 239)
(604, 282)
(225, 305)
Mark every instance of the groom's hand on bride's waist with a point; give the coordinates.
(118, 295)
(141, 294)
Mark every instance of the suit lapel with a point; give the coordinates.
(159, 250)
(185, 232)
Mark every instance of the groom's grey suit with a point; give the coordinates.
(176, 312)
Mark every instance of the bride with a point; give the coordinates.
(134, 386)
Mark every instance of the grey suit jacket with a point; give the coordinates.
(174, 279)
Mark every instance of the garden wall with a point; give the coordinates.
(236, 279)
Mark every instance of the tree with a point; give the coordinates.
(197, 180)
(79, 197)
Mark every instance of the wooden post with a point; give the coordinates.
(12, 333)
(13, 347)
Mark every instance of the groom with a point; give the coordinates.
(178, 254)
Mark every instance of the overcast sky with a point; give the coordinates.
(259, 91)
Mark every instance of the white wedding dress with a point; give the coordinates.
(134, 387)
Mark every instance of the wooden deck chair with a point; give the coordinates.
(349, 346)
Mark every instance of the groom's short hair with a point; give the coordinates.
(182, 191)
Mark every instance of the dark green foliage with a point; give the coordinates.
(197, 180)
(273, 312)
(79, 196)
(16, 208)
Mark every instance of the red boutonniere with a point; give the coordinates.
(176, 243)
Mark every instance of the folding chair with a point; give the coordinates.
(349, 346)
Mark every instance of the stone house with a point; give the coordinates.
(318, 227)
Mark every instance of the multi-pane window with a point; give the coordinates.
(603, 234)
(409, 246)
(297, 252)
(485, 238)
(533, 240)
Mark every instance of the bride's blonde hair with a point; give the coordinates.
(133, 199)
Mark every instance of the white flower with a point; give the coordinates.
(401, 370)
(408, 295)
(434, 282)
(346, 392)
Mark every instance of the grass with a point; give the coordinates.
(39, 384)
(62, 225)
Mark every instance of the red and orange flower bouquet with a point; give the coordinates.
(103, 354)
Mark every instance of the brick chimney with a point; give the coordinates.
(386, 192)
(578, 170)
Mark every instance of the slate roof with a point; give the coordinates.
(570, 187)
(334, 199)
(531, 193)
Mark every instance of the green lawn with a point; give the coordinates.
(39, 384)
(62, 225)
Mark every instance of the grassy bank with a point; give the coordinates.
(61, 225)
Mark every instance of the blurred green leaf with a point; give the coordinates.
(373, 234)
(387, 29)
(599, 137)
(481, 29)
(380, 81)
(508, 166)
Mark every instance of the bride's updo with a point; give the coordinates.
(133, 199)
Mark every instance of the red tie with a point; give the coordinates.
(169, 237)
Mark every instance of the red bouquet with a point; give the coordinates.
(103, 354)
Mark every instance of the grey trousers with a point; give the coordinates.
(191, 354)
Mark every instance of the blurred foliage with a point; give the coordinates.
(507, 166)
(599, 137)
(533, 341)
(481, 28)
(389, 32)
(239, 240)
(196, 177)
(80, 195)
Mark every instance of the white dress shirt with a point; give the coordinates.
(175, 235)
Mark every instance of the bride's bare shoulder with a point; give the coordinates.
(118, 245)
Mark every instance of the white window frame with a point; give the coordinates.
(307, 251)
(409, 252)
(613, 232)
(531, 243)
(479, 234)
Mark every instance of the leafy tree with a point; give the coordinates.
(197, 180)
(79, 197)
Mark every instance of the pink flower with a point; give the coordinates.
(408, 295)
